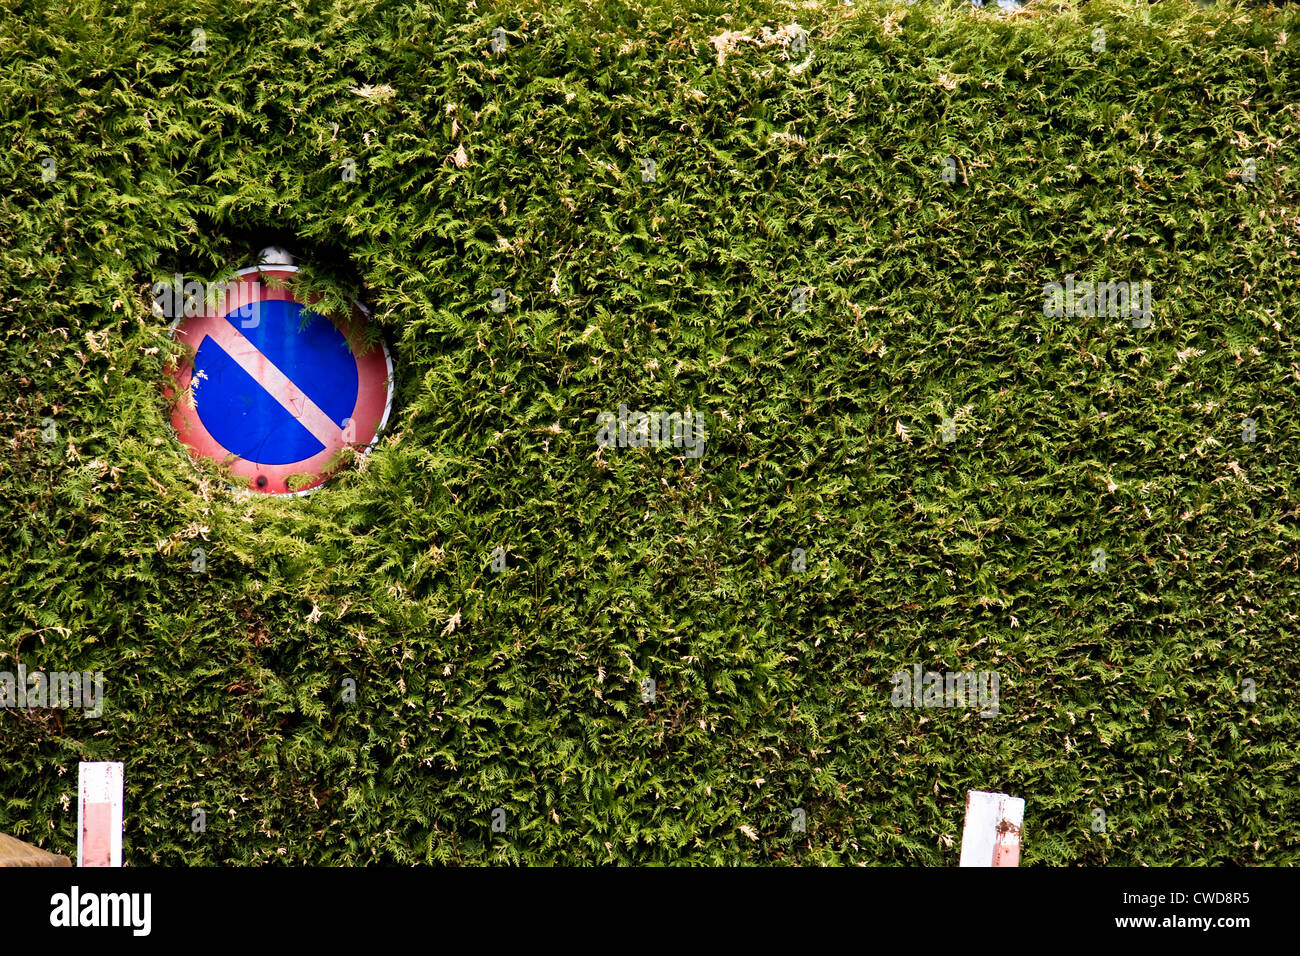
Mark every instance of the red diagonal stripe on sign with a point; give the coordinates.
(277, 384)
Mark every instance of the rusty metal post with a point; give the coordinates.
(99, 814)
(991, 835)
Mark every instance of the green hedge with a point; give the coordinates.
(1120, 691)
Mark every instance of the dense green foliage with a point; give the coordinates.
(521, 169)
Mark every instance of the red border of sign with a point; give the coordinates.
(369, 415)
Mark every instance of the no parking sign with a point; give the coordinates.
(273, 389)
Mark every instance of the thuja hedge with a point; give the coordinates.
(948, 457)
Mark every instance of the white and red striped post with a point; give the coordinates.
(99, 814)
(991, 836)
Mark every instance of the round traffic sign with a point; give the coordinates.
(274, 390)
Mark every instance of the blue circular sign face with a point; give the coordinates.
(238, 410)
(276, 390)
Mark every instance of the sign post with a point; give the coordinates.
(991, 835)
(99, 814)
